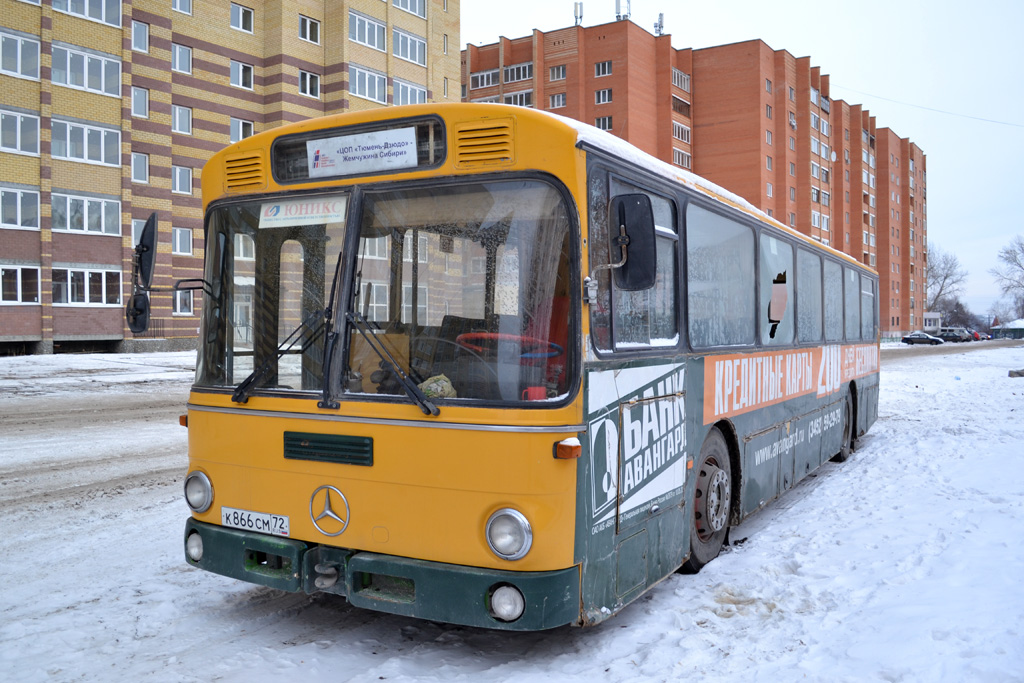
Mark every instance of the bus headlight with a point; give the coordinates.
(198, 492)
(509, 534)
(507, 603)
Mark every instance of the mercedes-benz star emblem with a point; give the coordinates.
(333, 517)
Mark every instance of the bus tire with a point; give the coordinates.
(712, 500)
(846, 446)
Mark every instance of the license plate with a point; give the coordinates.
(254, 521)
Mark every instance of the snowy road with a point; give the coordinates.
(902, 564)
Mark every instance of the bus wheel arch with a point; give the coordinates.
(714, 503)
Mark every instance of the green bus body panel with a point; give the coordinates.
(416, 588)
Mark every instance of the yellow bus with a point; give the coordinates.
(480, 364)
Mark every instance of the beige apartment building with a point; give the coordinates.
(757, 121)
(110, 108)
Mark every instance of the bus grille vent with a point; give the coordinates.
(245, 172)
(481, 143)
(337, 448)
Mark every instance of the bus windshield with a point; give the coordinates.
(466, 288)
(463, 287)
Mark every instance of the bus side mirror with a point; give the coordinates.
(137, 312)
(631, 223)
(146, 252)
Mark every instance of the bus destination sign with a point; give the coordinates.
(370, 152)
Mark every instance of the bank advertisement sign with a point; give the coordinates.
(382, 150)
(637, 430)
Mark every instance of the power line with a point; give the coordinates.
(939, 111)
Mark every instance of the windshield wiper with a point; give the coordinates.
(243, 390)
(391, 365)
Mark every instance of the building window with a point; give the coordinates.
(241, 75)
(483, 79)
(417, 7)
(603, 96)
(85, 214)
(446, 87)
(19, 208)
(184, 6)
(86, 72)
(815, 219)
(182, 302)
(240, 129)
(767, 85)
(792, 194)
(366, 31)
(768, 111)
(309, 29)
(19, 285)
(19, 133)
(108, 12)
(519, 72)
(768, 137)
(241, 18)
(140, 103)
(681, 80)
(768, 189)
(85, 143)
(309, 84)
(181, 58)
(19, 56)
(138, 225)
(557, 73)
(409, 47)
(680, 106)
(181, 180)
(603, 122)
(140, 167)
(445, 43)
(603, 69)
(681, 158)
(792, 220)
(407, 93)
(375, 294)
(792, 169)
(181, 241)
(140, 36)
(768, 163)
(520, 99)
(372, 86)
(86, 287)
(181, 119)
(680, 132)
(556, 101)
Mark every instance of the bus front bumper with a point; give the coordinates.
(416, 588)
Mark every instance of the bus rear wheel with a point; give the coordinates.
(711, 502)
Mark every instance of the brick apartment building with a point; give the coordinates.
(760, 122)
(110, 108)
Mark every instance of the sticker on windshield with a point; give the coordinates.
(382, 150)
(314, 211)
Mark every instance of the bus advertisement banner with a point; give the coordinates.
(739, 383)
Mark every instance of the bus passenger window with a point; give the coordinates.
(808, 296)
(833, 301)
(776, 283)
(867, 307)
(852, 295)
(720, 279)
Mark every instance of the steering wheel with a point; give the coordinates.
(550, 349)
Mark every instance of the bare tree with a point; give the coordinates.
(945, 277)
(1010, 275)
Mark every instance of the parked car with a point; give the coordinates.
(920, 337)
(954, 334)
(975, 335)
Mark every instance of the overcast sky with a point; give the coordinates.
(947, 75)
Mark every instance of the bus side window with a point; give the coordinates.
(867, 307)
(776, 314)
(808, 296)
(721, 291)
(833, 301)
(632, 320)
(852, 295)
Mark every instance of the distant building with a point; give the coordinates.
(757, 121)
(110, 108)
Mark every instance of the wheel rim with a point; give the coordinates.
(712, 504)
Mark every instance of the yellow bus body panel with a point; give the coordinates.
(428, 494)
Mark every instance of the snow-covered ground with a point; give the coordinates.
(903, 564)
